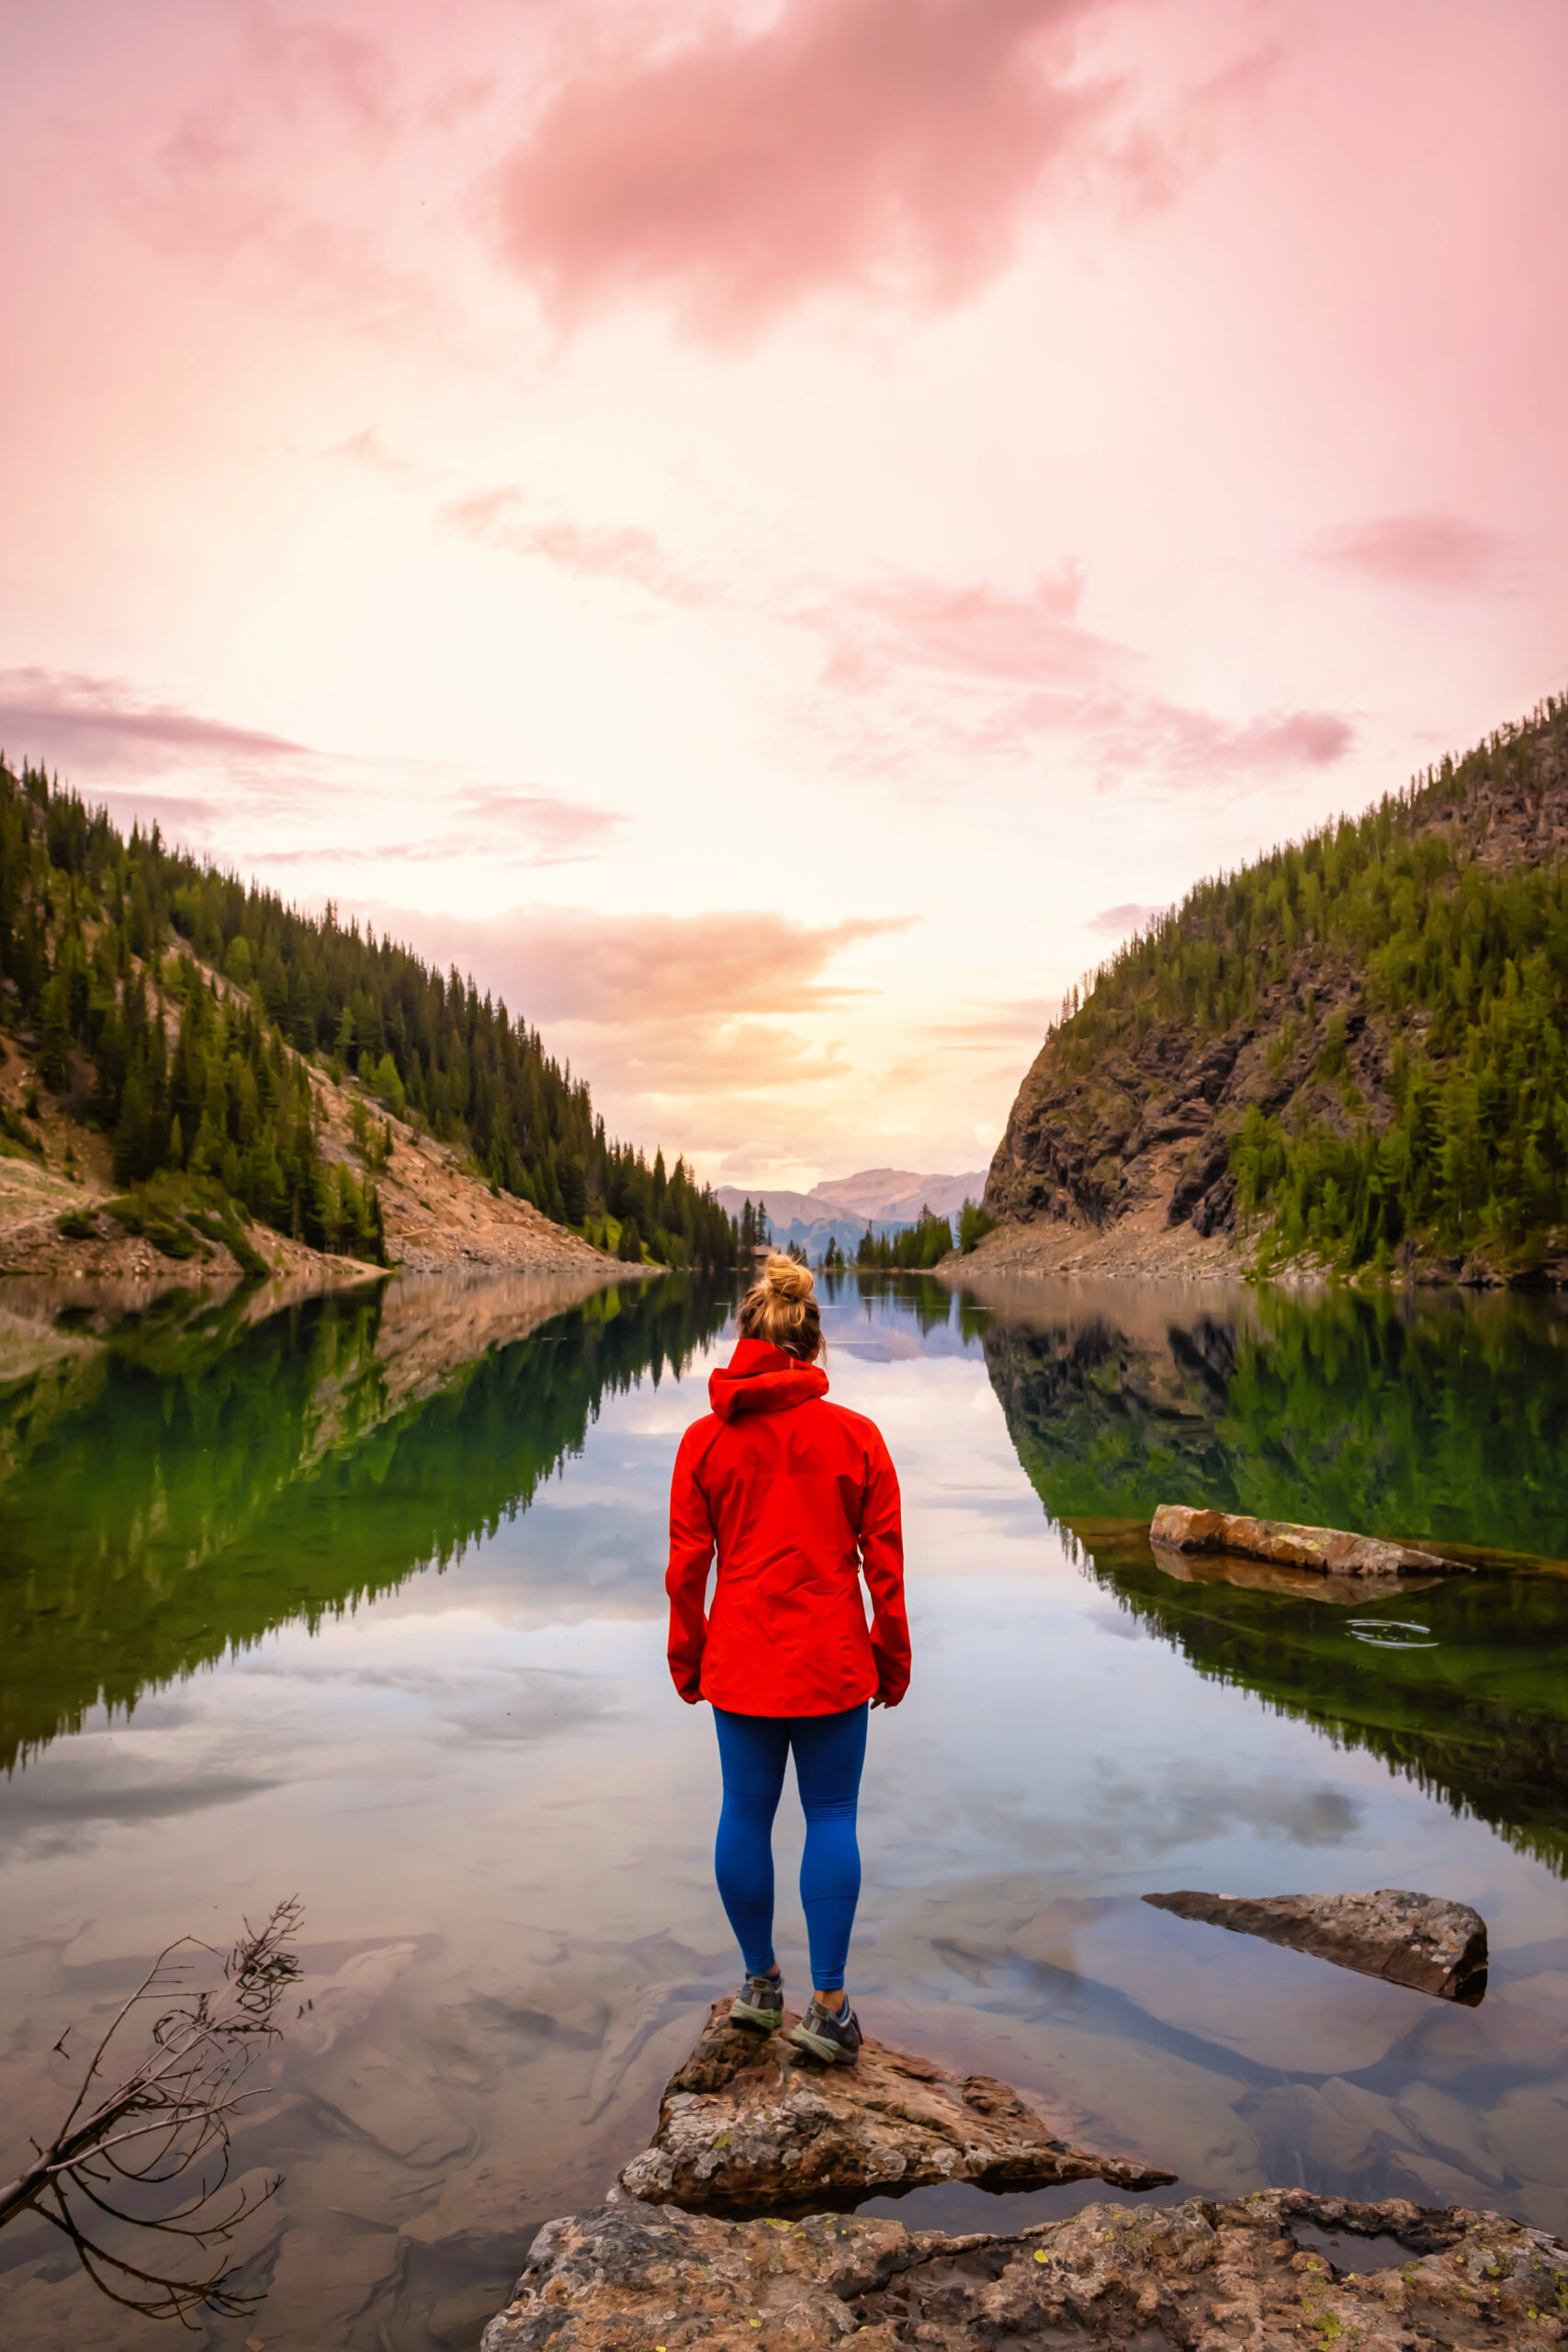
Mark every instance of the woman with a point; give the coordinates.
(798, 1499)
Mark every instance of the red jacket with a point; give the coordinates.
(799, 1499)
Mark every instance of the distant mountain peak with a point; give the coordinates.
(897, 1194)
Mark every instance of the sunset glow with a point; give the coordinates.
(775, 536)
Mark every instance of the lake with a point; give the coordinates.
(362, 1601)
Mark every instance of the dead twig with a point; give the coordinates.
(165, 2119)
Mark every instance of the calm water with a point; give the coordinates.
(365, 1603)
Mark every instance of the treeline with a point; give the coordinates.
(87, 920)
(919, 1245)
(1462, 964)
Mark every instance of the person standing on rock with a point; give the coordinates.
(798, 1499)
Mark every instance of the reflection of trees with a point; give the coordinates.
(186, 1489)
(1444, 1418)
(1481, 1721)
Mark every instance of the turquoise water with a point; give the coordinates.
(364, 1602)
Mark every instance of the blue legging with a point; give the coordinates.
(828, 1753)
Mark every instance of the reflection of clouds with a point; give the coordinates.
(61, 1803)
(1194, 1805)
(504, 1705)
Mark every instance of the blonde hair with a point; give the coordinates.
(781, 1307)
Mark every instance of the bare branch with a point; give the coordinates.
(178, 2095)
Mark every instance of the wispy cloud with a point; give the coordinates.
(1119, 922)
(66, 718)
(492, 824)
(506, 519)
(1415, 550)
(664, 1009)
(969, 630)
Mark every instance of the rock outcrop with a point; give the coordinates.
(1422, 1940)
(1117, 1156)
(749, 2125)
(1330, 1549)
(1282, 2267)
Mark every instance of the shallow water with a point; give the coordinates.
(365, 1603)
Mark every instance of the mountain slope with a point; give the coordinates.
(1349, 1053)
(162, 1026)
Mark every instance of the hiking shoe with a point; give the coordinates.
(833, 2035)
(759, 2003)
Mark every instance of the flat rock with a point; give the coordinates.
(1422, 1940)
(749, 2125)
(1279, 2267)
(1331, 1550)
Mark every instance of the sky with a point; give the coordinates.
(777, 534)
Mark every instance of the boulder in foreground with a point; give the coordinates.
(748, 2125)
(1330, 1549)
(1279, 2269)
(1422, 1940)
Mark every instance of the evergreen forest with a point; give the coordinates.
(1406, 972)
(109, 953)
(917, 1246)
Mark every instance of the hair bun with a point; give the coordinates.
(787, 1278)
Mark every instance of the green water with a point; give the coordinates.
(196, 1480)
(364, 1599)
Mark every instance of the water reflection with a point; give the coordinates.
(362, 1668)
(190, 1479)
(1441, 1416)
(1446, 1418)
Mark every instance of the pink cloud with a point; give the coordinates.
(504, 519)
(102, 722)
(1118, 923)
(492, 824)
(310, 61)
(1414, 551)
(662, 1007)
(972, 629)
(1182, 745)
(850, 143)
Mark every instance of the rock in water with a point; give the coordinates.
(629, 2279)
(748, 2125)
(1290, 1546)
(1421, 1941)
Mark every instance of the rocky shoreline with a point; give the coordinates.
(736, 2225)
(1281, 2267)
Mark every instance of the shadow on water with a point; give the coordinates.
(194, 1478)
(1444, 1418)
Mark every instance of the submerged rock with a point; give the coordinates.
(1329, 1549)
(1281, 2267)
(1422, 1940)
(749, 2125)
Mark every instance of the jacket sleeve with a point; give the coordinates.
(685, 1581)
(882, 1563)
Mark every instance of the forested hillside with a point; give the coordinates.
(1354, 1050)
(112, 952)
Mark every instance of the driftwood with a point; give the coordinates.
(166, 2119)
(1332, 1550)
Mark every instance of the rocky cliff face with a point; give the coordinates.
(1122, 1131)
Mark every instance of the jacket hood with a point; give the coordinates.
(760, 1379)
